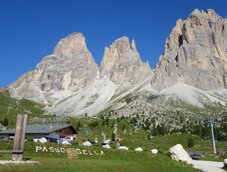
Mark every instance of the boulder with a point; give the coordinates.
(87, 143)
(122, 148)
(154, 151)
(225, 163)
(139, 149)
(107, 141)
(107, 146)
(179, 154)
(66, 142)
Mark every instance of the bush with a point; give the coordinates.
(30, 139)
(107, 122)
(191, 143)
(149, 137)
(94, 124)
(78, 126)
(123, 127)
(5, 122)
(113, 137)
(128, 100)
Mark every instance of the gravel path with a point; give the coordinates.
(208, 166)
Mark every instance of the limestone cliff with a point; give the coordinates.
(70, 68)
(195, 53)
(122, 62)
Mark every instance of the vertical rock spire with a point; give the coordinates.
(122, 62)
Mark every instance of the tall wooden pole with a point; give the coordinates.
(19, 138)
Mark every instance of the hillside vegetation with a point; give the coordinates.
(10, 107)
(113, 160)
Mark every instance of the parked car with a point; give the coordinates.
(11, 138)
(41, 140)
(196, 156)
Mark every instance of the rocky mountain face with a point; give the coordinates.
(70, 82)
(70, 68)
(191, 71)
(195, 53)
(122, 62)
(121, 73)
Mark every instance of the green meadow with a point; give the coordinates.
(113, 160)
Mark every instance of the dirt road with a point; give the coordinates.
(208, 166)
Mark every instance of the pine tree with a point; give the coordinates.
(191, 142)
(113, 137)
(5, 122)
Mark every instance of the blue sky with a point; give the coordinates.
(30, 29)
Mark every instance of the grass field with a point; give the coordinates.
(113, 160)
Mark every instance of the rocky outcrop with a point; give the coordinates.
(69, 69)
(195, 53)
(122, 62)
(138, 149)
(225, 163)
(179, 154)
(154, 151)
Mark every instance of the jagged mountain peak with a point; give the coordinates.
(197, 20)
(72, 44)
(123, 45)
(122, 62)
(119, 51)
(69, 69)
(208, 14)
(196, 51)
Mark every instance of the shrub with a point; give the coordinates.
(5, 122)
(113, 137)
(94, 124)
(191, 142)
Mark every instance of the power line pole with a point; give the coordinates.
(211, 122)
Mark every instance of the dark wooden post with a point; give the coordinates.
(19, 139)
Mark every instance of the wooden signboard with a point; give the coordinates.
(19, 138)
(71, 153)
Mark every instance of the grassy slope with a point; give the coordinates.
(17, 107)
(114, 160)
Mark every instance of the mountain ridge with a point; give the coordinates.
(194, 62)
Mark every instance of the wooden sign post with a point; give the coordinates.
(72, 153)
(19, 138)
